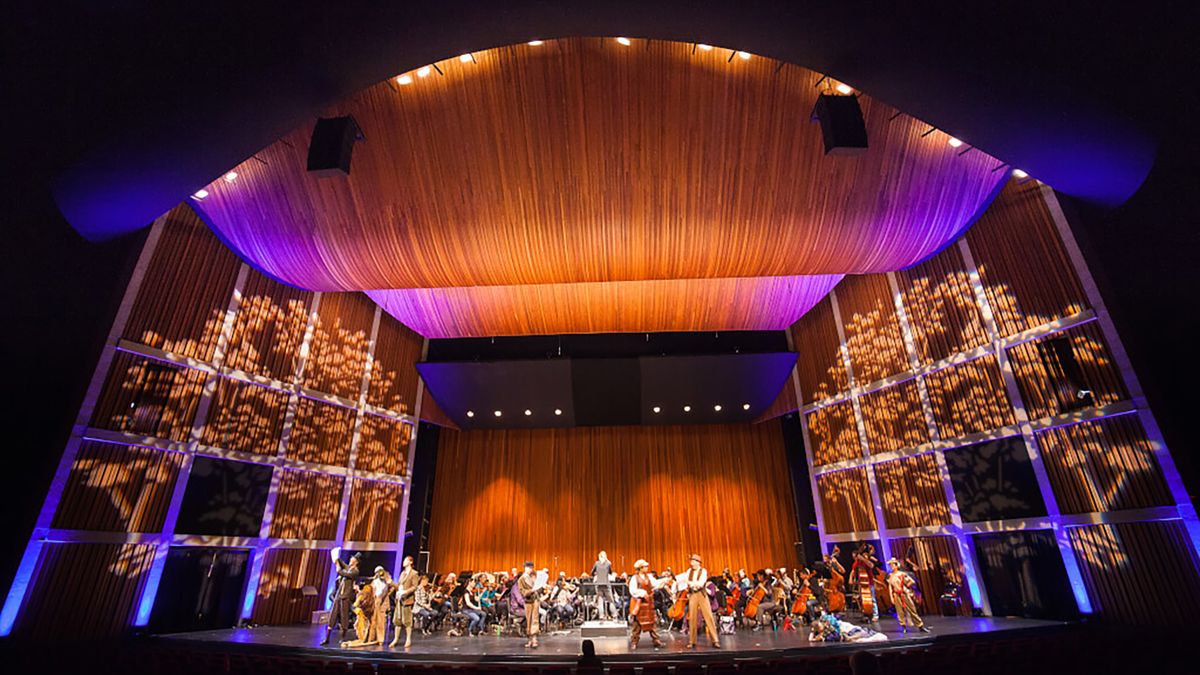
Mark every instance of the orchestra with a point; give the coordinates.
(474, 604)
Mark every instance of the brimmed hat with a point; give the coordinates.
(696, 557)
(640, 564)
(529, 563)
(893, 561)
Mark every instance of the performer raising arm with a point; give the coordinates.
(343, 594)
(698, 604)
(641, 591)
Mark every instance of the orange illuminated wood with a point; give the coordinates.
(659, 493)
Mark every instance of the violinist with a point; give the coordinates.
(641, 592)
(694, 581)
(562, 600)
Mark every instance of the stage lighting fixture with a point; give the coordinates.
(657, 410)
(528, 412)
(557, 411)
(844, 88)
(231, 176)
(497, 413)
(687, 408)
(423, 71)
(745, 406)
(200, 194)
(624, 41)
(954, 142)
(745, 56)
(465, 58)
(1017, 173)
(717, 408)
(707, 48)
(470, 413)
(842, 125)
(534, 43)
(404, 79)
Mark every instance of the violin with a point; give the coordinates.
(756, 597)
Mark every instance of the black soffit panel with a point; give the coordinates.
(716, 389)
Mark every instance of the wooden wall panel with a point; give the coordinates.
(911, 492)
(307, 506)
(374, 513)
(1103, 465)
(1143, 574)
(84, 591)
(341, 335)
(819, 364)
(1028, 277)
(834, 434)
(941, 307)
(148, 397)
(321, 433)
(969, 397)
(784, 403)
(383, 445)
(118, 488)
(394, 376)
(1045, 385)
(655, 492)
(846, 502)
(872, 327)
(268, 328)
(186, 290)
(285, 573)
(677, 163)
(432, 412)
(893, 418)
(245, 417)
(939, 562)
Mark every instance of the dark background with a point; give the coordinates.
(72, 75)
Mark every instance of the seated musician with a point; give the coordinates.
(423, 605)
(473, 611)
(562, 600)
(772, 602)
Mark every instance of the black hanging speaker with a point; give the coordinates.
(331, 146)
(842, 125)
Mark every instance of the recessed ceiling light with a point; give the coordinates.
(844, 89)
(465, 58)
(687, 408)
(534, 43)
(404, 79)
(200, 194)
(231, 176)
(707, 48)
(745, 56)
(528, 412)
(624, 40)
(470, 413)
(745, 406)
(497, 413)
(657, 409)
(717, 408)
(954, 142)
(1020, 174)
(423, 71)
(557, 411)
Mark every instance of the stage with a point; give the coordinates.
(564, 646)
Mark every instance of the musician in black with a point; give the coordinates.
(601, 575)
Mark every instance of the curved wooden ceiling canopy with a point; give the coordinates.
(542, 171)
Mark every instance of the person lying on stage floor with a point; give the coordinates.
(829, 628)
(343, 594)
(901, 585)
(641, 592)
(694, 581)
(405, 590)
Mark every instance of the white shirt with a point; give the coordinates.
(640, 592)
(692, 579)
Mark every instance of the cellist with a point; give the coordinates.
(837, 575)
(641, 591)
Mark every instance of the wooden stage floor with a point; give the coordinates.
(564, 646)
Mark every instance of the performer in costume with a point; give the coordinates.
(405, 592)
(364, 613)
(528, 590)
(901, 585)
(862, 573)
(383, 587)
(641, 589)
(698, 603)
(601, 574)
(343, 594)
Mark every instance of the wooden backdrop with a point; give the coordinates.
(557, 496)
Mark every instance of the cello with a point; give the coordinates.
(800, 606)
(756, 597)
(837, 599)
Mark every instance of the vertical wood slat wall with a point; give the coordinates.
(1098, 457)
(938, 562)
(124, 481)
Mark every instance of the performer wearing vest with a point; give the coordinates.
(698, 604)
(641, 589)
(531, 595)
(405, 596)
(901, 584)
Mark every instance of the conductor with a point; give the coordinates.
(602, 575)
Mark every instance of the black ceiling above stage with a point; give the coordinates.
(607, 380)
